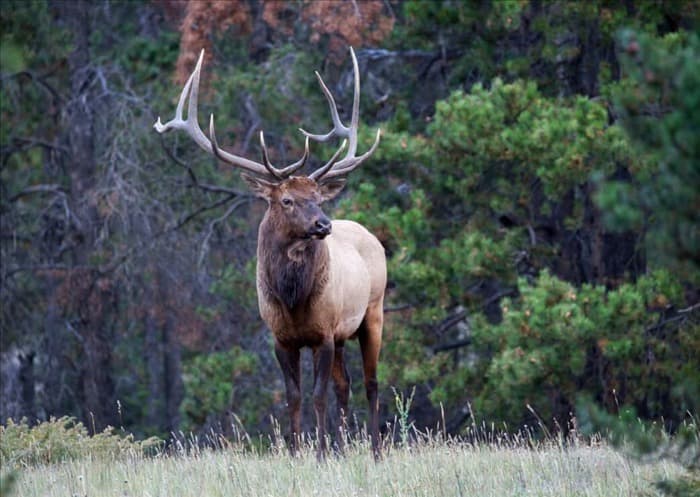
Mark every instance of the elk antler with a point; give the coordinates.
(350, 161)
(191, 127)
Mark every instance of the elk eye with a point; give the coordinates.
(287, 202)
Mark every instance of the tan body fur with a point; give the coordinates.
(354, 282)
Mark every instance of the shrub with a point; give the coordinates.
(61, 439)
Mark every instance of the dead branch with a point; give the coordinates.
(195, 181)
(212, 224)
(40, 80)
(679, 315)
(38, 189)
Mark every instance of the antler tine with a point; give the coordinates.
(290, 169)
(321, 171)
(350, 161)
(266, 159)
(191, 127)
(347, 165)
(339, 129)
(355, 117)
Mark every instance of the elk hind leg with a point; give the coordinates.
(370, 335)
(341, 386)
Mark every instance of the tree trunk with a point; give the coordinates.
(153, 356)
(590, 253)
(90, 291)
(162, 356)
(172, 376)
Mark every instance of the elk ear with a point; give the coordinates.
(329, 189)
(258, 186)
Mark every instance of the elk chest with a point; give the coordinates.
(331, 305)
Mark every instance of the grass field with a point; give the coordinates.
(428, 468)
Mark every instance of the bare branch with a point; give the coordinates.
(692, 308)
(193, 177)
(256, 121)
(458, 317)
(31, 190)
(121, 258)
(39, 80)
(39, 267)
(36, 142)
(19, 144)
(452, 345)
(212, 224)
(189, 217)
(679, 315)
(398, 308)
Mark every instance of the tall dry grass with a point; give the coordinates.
(489, 466)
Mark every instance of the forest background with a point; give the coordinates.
(537, 190)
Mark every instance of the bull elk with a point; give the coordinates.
(319, 283)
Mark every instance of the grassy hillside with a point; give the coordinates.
(430, 468)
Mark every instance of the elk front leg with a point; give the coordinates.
(323, 363)
(288, 359)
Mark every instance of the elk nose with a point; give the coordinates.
(323, 226)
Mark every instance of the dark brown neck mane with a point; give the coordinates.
(291, 268)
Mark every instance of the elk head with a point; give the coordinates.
(295, 204)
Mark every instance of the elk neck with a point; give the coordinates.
(293, 270)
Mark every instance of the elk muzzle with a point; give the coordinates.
(321, 228)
